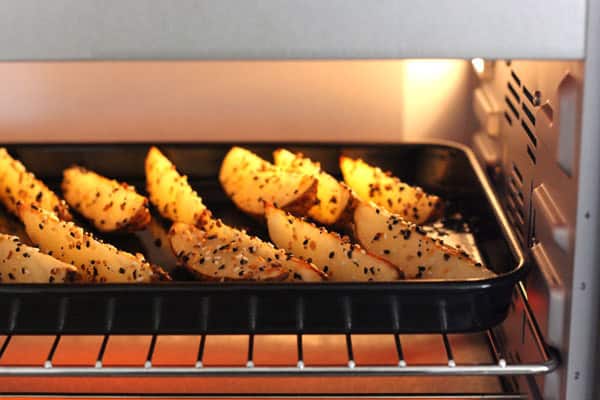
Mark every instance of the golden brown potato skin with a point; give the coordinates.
(17, 185)
(108, 204)
(299, 270)
(372, 184)
(333, 197)
(97, 261)
(251, 181)
(340, 259)
(213, 256)
(407, 246)
(170, 191)
(20, 263)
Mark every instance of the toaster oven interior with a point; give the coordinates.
(521, 118)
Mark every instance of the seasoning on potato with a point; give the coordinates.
(372, 184)
(20, 263)
(17, 185)
(215, 257)
(407, 246)
(97, 261)
(109, 205)
(336, 256)
(251, 181)
(333, 197)
(170, 191)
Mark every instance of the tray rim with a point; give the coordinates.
(507, 278)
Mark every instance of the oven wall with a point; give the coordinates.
(348, 101)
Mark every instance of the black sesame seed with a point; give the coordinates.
(121, 270)
(158, 242)
(325, 268)
(331, 254)
(386, 251)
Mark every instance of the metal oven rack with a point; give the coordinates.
(500, 363)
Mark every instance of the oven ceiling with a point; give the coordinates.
(291, 29)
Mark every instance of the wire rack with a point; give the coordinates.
(501, 365)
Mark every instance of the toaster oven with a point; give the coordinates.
(510, 88)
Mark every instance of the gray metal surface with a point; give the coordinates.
(582, 361)
(290, 29)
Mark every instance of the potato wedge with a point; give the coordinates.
(97, 261)
(333, 197)
(250, 181)
(215, 257)
(20, 263)
(407, 246)
(170, 191)
(19, 185)
(372, 184)
(336, 256)
(299, 270)
(109, 205)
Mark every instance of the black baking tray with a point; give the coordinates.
(185, 306)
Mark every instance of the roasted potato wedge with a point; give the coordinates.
(250, 181)
(17, 185)
(20, 263)
(336, 256)
(333, 197)
(372, 184)
(97, 261)
(215, 257)
(170, 191)
(407, 246)
(298, 269)
(109, 205)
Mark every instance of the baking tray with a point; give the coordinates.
(185, 306)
